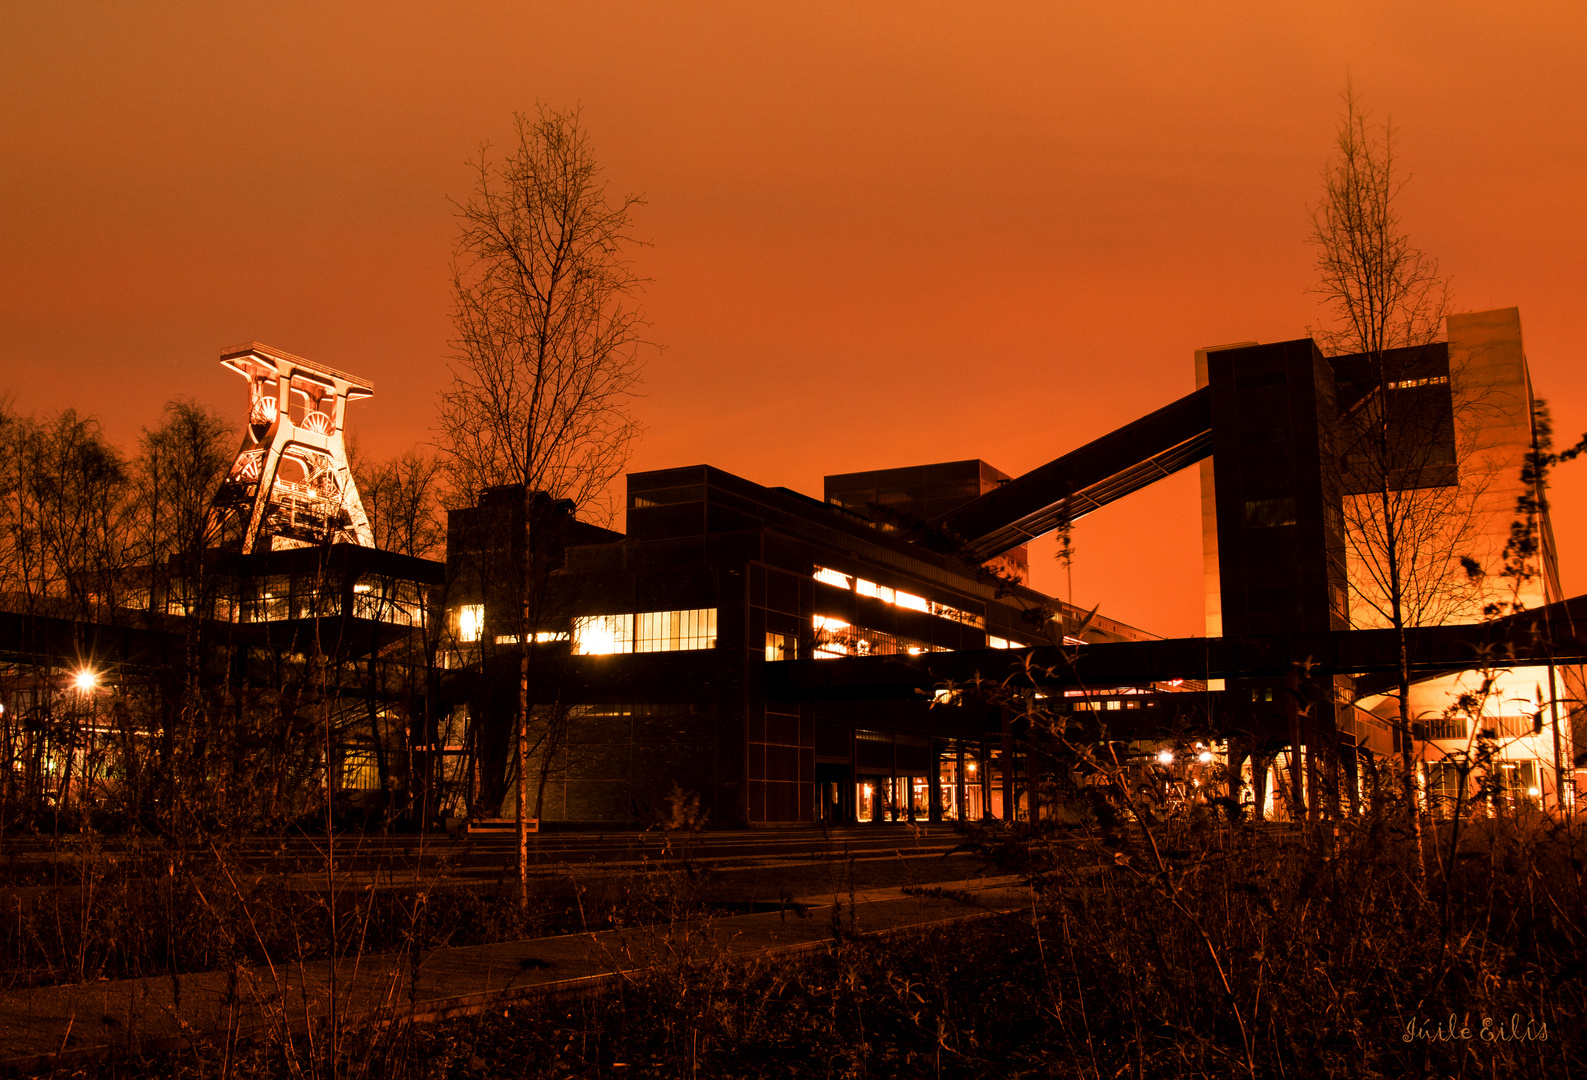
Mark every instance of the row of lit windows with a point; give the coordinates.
(834, 635)
(835, 638)
(648, 631)
(896, 596)
(1431, 380)
(599, 635)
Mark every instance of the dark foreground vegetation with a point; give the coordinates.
(1202, 948)
(85, 908)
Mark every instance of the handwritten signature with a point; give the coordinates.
(1489, 1031)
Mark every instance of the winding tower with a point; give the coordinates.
(291, 485)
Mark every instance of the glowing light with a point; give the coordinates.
(85, 680)
(1165, 757)
(470, 622)
(831, 577)
(1534, 792)
(1204, 757)
(602, 635)
(840, 580)
(870, 588)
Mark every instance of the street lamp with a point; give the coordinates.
(86, 680)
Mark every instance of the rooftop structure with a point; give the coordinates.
(291, 485)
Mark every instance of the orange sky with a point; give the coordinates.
(884, 234)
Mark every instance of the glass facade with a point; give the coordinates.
(958, 784)
(961, 781)
(675, 631)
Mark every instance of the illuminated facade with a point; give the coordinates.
(676, 627)
(1311, 456)
(1525, 715)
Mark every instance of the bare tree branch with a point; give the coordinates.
(547, 349)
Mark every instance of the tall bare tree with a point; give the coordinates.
(66, 514)
(1404, 430)
(400, 499)
(180, 465)
(546, 354)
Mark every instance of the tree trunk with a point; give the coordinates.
(523, 770)
(1259, 766)
(1296, 777)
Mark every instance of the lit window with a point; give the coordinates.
(601, 635)
(870, 588)
(835, 638)
(470, 622)
(359, 770)
(1431, 380)
(675, 631)
(779, 646)
(831, 577)
(902, 599)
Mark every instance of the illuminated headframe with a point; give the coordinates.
(290, 485)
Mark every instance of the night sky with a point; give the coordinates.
(883, 234)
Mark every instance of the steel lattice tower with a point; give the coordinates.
(291, 485)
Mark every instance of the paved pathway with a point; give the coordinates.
(52, 1026)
